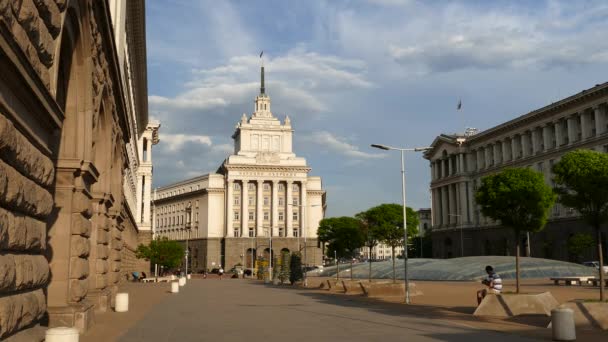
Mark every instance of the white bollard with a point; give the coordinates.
(189, 276)
(122, 302)
(174, 287)
(562, 324)
(182, 281)
(172, 277)
(62, 334)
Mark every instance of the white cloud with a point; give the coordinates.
(175, 141)
(340, 145)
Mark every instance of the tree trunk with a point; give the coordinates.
(394, 275)
(351, 267)
(517, 248)
(601, 260)
(370, 264)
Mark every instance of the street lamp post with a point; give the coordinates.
(188, 226)
(403, 150)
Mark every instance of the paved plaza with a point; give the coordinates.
(236, 310)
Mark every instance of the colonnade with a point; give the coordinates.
(277, 209)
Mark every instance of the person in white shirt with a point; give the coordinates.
(492, 281)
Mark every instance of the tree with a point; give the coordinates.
(295, 264)
(164, 252)
(345, 236)
(284, 270)
(519, 199)
(380, 223)
(581, 177)
(578, 244)
(325, 232)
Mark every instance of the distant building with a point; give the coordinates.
(425, 221)
(535, 140)
(381, 251)
(261, 192)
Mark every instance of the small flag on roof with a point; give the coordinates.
(459, 106)
(261, 53)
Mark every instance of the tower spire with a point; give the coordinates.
(262, 88)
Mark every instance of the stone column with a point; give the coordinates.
(525, 144)
(434, 207)
(444, 205)
(585, 125)
(138, 198)
(470, 201)
(149, 148)
(535, 141)
(146, 198)
(505, 151)
(461, 169)
(260, 208)
(547, 136)
(275, 208)
(229, 208)
(446, 167)
(245, 206)
(571, 129)
(480, 158)
(557, 128)
(289, 208)
(462, 200)
(600, 120)
(303, 210)
(496, 154)
(514, 149)
(486, 151)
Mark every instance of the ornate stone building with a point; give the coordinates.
(536, 140)
(261, 192)
(73, 111)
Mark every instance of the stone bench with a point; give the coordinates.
(509, 305)
(571, 280)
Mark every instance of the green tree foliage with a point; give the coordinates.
(346, 237)
(581, 177)
(295, 264)
(164, 252)
(578, 244)
(519, 199)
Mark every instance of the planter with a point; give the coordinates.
(509, 305)
(376, 290)
(589, 314)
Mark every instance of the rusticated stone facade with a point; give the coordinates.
(73, 109)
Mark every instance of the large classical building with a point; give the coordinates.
(536, 140)
(73, 124)
(261, 193)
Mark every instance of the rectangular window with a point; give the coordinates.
(281, 216)
(281, 232)
(251, 216)
(280, 200)
(296, 233)
(281, 187)
(294, 187)
(237, 201)
(251, 231)
(236, 186)
(236, 232)
(196, 204)
(295, 216)
(294, 201)
(266, 186)
(251, 202)
(266, 216)
(266, 200)
(236, 215)
(196, 217)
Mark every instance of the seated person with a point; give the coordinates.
(492, 281)
(135, 276)
(143, 275)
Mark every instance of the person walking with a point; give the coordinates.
(220, 272)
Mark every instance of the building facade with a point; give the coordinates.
(536, 140)
(381, 251)
(425, 221)
(73, 106)
(261, 194)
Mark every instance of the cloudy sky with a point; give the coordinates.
(350, 73)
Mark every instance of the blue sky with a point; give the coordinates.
(353, 73)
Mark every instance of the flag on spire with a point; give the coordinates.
(261, 53)
(459, 106)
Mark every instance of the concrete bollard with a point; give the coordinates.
(62, 334)
(189, 276)
(174, 287)
(172, 277)
(182, 281)
(122, 302)
(562, 324)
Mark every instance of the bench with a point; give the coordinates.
(571, 280)
(596, 281)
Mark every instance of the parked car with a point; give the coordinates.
(596, 265)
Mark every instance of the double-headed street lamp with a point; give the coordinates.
(416, 149)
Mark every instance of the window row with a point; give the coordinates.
(251, 232)
(252, 200)
(251, 187)
(281, 216)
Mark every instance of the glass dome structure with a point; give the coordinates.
(464, 269)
